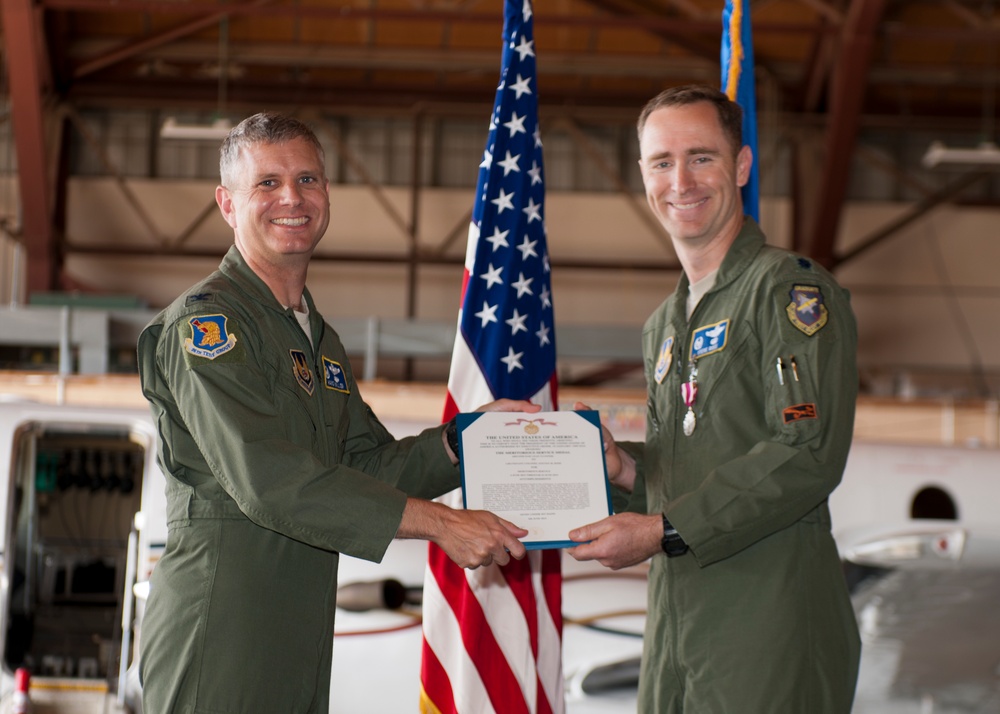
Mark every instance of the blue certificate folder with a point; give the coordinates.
(544, 472)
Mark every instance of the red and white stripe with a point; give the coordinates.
(492, 636)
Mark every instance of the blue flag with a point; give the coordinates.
(738, 84)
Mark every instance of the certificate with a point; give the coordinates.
(544, 472)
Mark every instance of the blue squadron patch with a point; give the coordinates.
(806, 310)
(303, 375)
(709, 339)
(209, 336)
(335, 378)
(666, 357)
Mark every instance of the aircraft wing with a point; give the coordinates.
(923, 544)
(930, 642)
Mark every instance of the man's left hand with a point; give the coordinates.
(618, 541)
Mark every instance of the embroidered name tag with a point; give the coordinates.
(709, 339)
(209, 336)
(335, 378)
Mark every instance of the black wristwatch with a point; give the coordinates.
(451, 434)
(672, 543)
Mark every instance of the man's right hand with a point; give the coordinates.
(618, 541)
(469, 538)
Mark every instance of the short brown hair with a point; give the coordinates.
(263, 128)
(730, 113)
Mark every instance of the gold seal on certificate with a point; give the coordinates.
(544, 472)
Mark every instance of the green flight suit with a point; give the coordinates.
(756, 617)
(274, 467)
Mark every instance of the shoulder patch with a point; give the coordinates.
(799, 412)
(333, 372)
(210, 336)
(806, 310)
(303, 375)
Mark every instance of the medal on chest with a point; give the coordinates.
(706, 340)
(689, 392)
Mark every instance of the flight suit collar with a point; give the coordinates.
(235, 267)
(741, 254)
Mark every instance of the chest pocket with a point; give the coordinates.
(729, 380)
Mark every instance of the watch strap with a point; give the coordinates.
(451, 433)
(672, 543)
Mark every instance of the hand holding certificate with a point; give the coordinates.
(543, 471)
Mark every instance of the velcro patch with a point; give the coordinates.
(806, 310)
(335, 377)
(709, 339)
(799, 412)
(664, 360)
(300, 368)
(209, 336)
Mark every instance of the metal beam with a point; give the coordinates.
(922, 208)
(640, 209)
(676, 26)
(24, 50)
(183, 29)
(846, 102)
(425, 257)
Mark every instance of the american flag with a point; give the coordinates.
(736, 55)
(493, 636)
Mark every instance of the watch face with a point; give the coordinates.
(674, 546)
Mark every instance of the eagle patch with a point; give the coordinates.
(334, 374)
(709, 339)
(209, 336)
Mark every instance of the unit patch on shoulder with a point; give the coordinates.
(303, 375)
(335, 377)
(709, 339)
(799, 412)
(666, 357)
(806, 310)
(209, 336)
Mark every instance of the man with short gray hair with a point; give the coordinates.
(274, 463)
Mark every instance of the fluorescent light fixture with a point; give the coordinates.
(986, 154)
(216, 131)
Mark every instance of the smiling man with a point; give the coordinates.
(274, 463)
(751, 376)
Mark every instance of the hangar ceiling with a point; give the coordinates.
(914, 59)
(838, 65)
